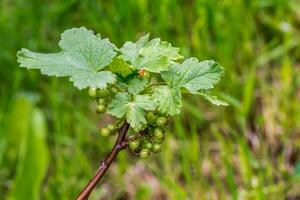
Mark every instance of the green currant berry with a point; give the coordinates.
(101, 101)
(156, 148)
(93, 92)
(148, 145)
(111, 127)
(103, 93)
(147, 75)
(134, 144)
(161, 121)
(151, 117)
(114, 90)
(119, 124)
(158, 140)
(101, 108)
(105, 132)
(144, 153)
(158, 133)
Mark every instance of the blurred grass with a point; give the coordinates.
(247, 151)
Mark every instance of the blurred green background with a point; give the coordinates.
(49, 145)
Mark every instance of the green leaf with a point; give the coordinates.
(82, 57)
(133, 85)
(124, 105)
(153, 56)
(194, 75)
(136, 85)
(119, 66)
(213, 99)
(168, 99)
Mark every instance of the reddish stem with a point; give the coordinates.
(120, 144)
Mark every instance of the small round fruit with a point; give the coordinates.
(105, 132)
(93, 92)
(158, 140)
(151, 117)
(134, 144)
(158, 133)
(101, 108)
(148, 145)
(114, 89)
(144, 153)
(147, 75)
(119, 124)
(111, 127)
(156, 148)
(161, 121)
(103, 93)
(101, 101)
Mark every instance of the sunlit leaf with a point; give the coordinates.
(134, 109)
(154, 55)
(82, 57)
(168, 99)
(194, 75)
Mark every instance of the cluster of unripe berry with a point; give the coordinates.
(103, 97)
(142, 143)
(152, 138)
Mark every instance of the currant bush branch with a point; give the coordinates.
(140, 83)
(105, 164)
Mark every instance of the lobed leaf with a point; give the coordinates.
(134, 109)
(136, 85)
(82, 57)
(168, 99)
(90, 61)
(153, 56)
(119, 66)
(194, 75)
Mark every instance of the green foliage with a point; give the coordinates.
(125, 82)
(153, 56)
(168, 99)
(84, 56)
(136, 85)
(119, 66)
(132, 108)
(193, 75)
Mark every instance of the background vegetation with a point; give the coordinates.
(49, 145)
